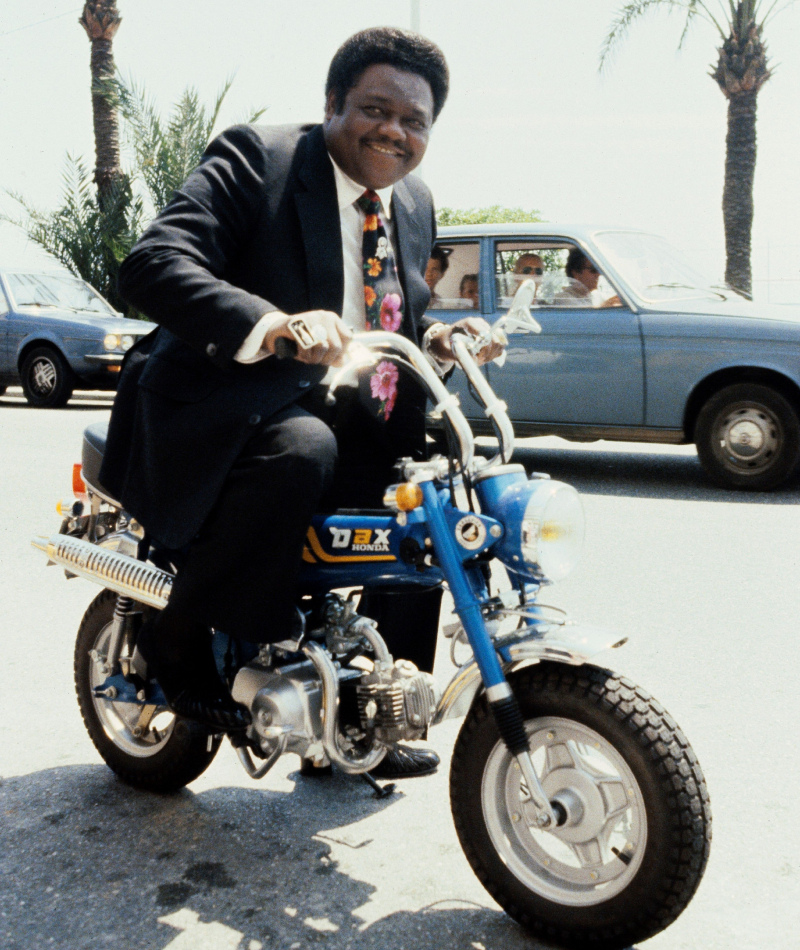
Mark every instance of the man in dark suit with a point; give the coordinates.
(224, 451)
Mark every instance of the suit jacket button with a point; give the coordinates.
(304, 383)
(254, 420)
(211, 349)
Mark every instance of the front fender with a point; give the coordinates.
(573, 644)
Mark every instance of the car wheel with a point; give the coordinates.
(47, 379)
(748, 436)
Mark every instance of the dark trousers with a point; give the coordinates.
(240, 574)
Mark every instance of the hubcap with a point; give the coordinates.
(748, 438)
(119, 720)
(598, 845)
(43, 376)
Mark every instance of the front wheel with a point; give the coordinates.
(47, 379)
(162, 757)
(634, 818)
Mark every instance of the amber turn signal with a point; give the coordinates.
(408, 496)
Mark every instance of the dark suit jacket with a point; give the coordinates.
(255, 228)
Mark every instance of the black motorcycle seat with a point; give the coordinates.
(94, 446)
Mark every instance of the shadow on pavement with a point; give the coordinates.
(81, 401)
(643, 475)
(87, 862)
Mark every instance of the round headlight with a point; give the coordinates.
(126, 342)
(111, 341)
(552, 530)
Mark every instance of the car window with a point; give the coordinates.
(452, 276)
(53, 291)
(3, 303)
(547, 263)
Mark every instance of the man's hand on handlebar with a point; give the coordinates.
(319, 337)
(477, 327)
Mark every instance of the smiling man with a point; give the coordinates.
(223, 451)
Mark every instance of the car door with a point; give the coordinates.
(457, 292)
(586, 367)
(6, 361)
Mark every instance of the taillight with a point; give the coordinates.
(78, 484)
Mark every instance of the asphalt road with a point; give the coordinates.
(704, 582)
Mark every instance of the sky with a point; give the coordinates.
(530, 121)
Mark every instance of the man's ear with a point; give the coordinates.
(330, 104)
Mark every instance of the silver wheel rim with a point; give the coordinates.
(42, 376)
(119, 719)
(748, 438)
(597, 852)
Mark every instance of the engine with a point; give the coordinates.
(319, 706)
(398, 704)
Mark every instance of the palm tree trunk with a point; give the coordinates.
(106, 123)
(101, 20)
(737, 196)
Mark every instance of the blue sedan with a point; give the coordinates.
(58, 334)
(635, 346)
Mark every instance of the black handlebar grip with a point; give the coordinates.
(285, 349)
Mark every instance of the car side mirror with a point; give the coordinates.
(519, 318)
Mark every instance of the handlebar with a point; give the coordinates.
(363, 346)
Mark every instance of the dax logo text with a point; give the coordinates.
(360, 539)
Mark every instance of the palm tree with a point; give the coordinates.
(101, 20)
(166, 149)
(742, 69)
(92, 236)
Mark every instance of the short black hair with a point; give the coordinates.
(387, 44)
(576, 261)
(442, 256)
(464, 279)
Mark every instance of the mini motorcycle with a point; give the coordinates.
(576, 798)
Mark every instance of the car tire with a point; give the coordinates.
(748, 436)
(47, 379)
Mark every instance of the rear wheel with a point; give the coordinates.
(748, 436)
(47, 379)
(164, 756)
(634, 818)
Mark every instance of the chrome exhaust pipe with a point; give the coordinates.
(118, 572)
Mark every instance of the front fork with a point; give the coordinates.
(501, 699)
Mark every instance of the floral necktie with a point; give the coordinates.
(383, 296)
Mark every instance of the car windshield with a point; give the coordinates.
(654, 269)
(57, 291)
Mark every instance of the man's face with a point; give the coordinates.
(433, 273)
(381, 131)
(588, 276)
(530, 265)
(469, 291)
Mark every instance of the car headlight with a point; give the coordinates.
(126, 342)
(552, 530)
(111, 341)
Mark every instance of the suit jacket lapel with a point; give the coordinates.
(409, 239)
(318, 210)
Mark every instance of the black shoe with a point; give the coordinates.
(191, 685)
(309, 770)
(401, 761)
